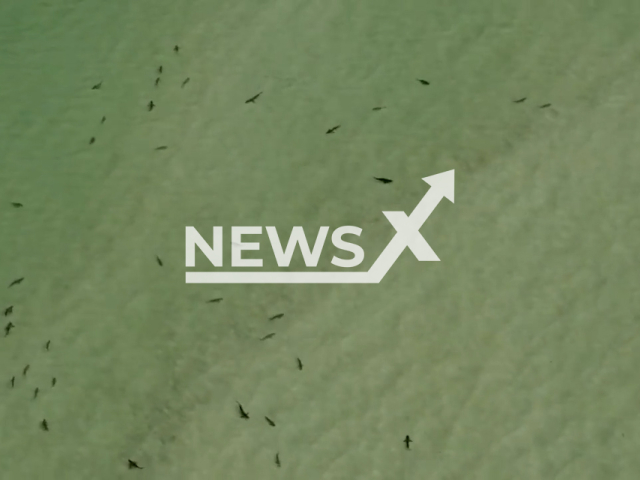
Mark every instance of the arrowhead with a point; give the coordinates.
(444, 183)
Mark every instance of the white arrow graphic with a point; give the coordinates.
(407, 235)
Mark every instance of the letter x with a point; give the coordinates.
(409, 232)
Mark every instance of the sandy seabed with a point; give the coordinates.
(515, 357)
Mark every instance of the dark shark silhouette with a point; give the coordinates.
(243, 414)
(254, 98)
(17, 281)
(383, 180)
